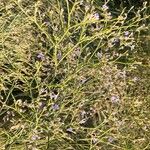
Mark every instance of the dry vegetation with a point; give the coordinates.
(74, 75)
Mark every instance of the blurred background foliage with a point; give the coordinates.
(75, 74)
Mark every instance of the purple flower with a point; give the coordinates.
(99, 55)
(59, 55)
(96, 16)
(135, 79)
(81, 2)
(69, 130)
(87, 8)
(55, 107)
(82, 121)
(94, 140)
(53, 95)
(105, 7)
(42, 105)
(110, 139)
(77, 52)
(119, 123)
(40, 56)
(43, 91)
(35, 137)
(83, 81)
(126, 33)
(83, 114)
(116, 41)
(114, 99)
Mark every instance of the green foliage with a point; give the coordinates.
(74, 75)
